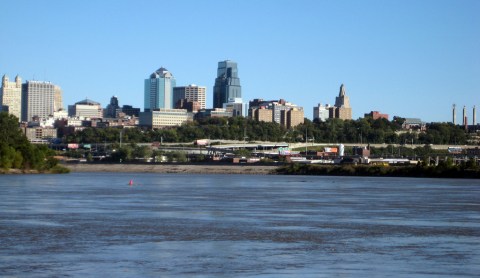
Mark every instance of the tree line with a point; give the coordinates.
(17, 152)
(363, 130)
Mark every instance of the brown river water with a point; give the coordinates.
(174, 225)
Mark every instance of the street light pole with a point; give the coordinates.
(306, 142)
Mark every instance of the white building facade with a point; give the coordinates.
(159, 118)
(38, 99)
(11, 96)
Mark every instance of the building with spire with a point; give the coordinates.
(11, 96)
(159, 90)
(342, 105)
(227, 87)
(341, 109)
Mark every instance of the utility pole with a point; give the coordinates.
(306, 142)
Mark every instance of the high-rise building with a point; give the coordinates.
(227, 84)
(321, 112)
(159, 90)
(38, 99)
(58, 99)
(11, 96)
(262, 114)
(192, 93)
(111, 109)
(342, 103)
(130, 110)
(86, 108)
(294, 117)
(279, 111)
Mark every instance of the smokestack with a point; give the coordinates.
(454, 115)
(464, 118)
(474, 116)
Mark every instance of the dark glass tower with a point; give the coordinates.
(111, 111)
(227, 84)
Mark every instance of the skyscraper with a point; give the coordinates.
(227, 84)
(191, 93)
(58, 99)
(111, 110)
(11, 96)
(342, 105)
(159, 90)
(38, 99)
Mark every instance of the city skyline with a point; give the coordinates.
(409, 59)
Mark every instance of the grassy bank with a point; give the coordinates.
(173, 168)
(390, 171)
(57, 169)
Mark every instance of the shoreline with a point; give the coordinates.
(245, 169)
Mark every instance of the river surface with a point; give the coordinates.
(173, 225)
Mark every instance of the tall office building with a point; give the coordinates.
(342, 105)
(111, 110)
(58, 99)
(38, 99)
(11, 96)
(227, 84)
(321, 112)
(291, 118)
(191, 93)
(86, 108)
(159, 90)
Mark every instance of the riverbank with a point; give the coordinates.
(18, 171)
(58, 169)
(174, 168)
(380, 171)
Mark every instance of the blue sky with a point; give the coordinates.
(406, 58)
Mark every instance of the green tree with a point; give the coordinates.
(16, 151)
(10, 133)
(141, 152)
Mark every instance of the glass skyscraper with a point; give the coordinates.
(159, 90)
(227, 84)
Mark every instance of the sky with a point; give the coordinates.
(407, 58)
